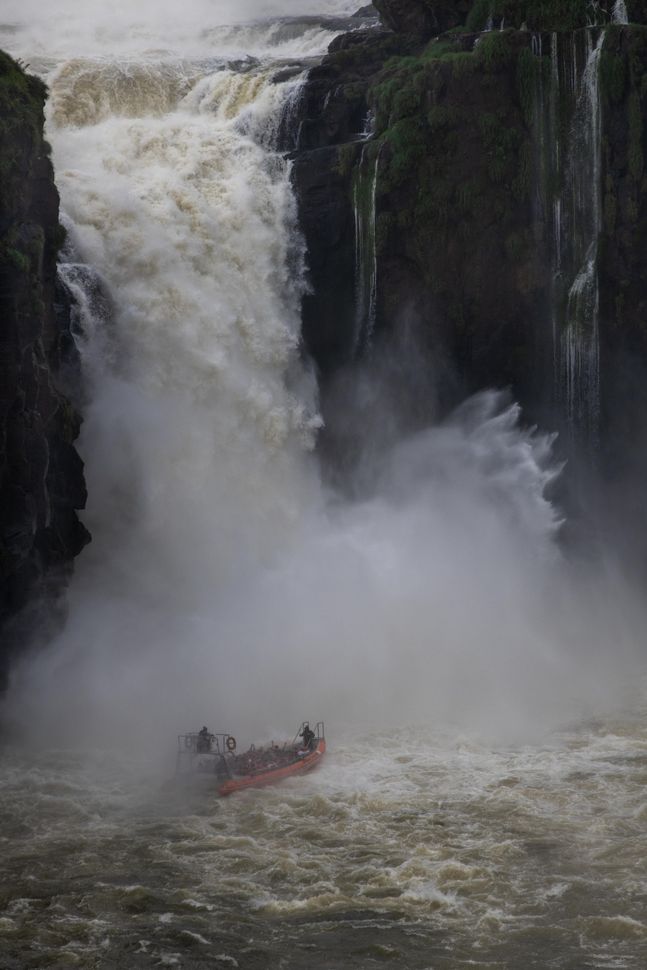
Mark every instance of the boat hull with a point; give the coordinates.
(270, 776)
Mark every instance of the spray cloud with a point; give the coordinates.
(224, 582)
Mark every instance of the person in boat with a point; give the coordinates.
(308, 735)
(204, 740)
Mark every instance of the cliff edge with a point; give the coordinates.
(41, 474)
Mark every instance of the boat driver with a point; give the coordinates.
(204, 740)
(308, 735)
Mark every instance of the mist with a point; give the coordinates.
(228, 582)
(442, 597)
(70, 28)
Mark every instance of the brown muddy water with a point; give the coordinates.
(406, 850)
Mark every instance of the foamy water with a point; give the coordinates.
(224, 583)
(410, 847)
(63, 29)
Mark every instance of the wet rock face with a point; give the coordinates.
(459, 130)
(457, 253)
(429, 18)
(41, 474)
(333, 123)
(458, 244)
(622, 268)
(563, 15)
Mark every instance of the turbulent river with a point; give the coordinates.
(482, 803)
(407, 849)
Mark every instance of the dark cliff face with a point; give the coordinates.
(503, 181)
(623, 243)
(41, 475)
(454, 222)
(455, 244)
(422, 18)
(428, 18)
(333, 118)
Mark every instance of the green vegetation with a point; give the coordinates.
(495, 51)
(404, 82)
(482, 11)
(456, 151)
(346, 157)
(15, 252)
(21, 121)
(21, 103)
(23, 243)
(420, 141)
(17, 259)
(407, 140)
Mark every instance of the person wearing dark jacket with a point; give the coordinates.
(308, 735)
(204, 740)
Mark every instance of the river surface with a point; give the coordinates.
(406, 849)
(223, 577)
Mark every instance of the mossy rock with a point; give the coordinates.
(546, 15)
(22, 97)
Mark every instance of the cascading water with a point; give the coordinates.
(191, 225)
(200, 413)
(289, 130)
(580, 339)
(619, 14)
(364, 205)
(567, 124)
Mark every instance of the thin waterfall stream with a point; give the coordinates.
(620, 15)
(567, 124)
(364, 199)
(580, 341)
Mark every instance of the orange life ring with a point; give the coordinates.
(231, 743)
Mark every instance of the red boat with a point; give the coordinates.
(215, 754)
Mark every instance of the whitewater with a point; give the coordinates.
(482, 802)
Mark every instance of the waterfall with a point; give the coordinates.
(197, 396)
(619, 13)
(364, 197)
(580, 339)
(567, 126)
(90, 310)
(286, 136)
(223, 577)
(369, 125)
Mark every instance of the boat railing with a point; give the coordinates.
(319, 732)
(201, 743)
(199, 752)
